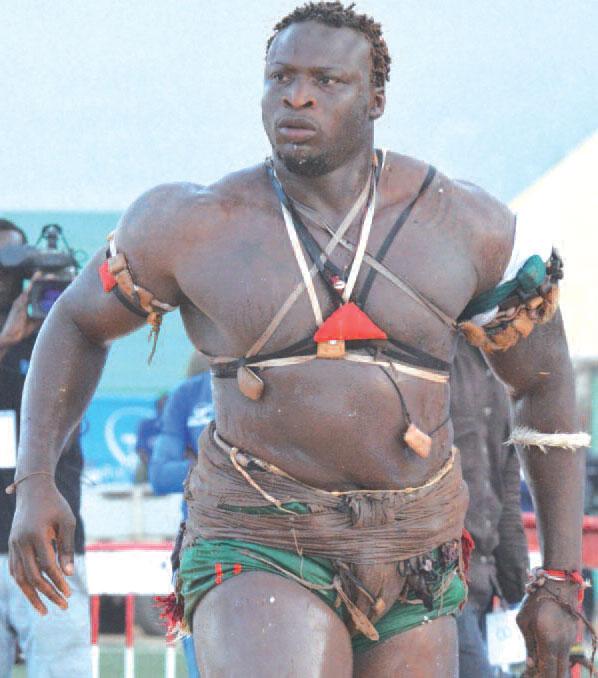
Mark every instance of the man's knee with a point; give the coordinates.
(261, 624)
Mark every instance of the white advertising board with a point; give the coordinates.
(8, 439)
(137, 571)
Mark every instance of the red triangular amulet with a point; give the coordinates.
(346, 323)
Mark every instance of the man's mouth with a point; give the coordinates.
(295, 130)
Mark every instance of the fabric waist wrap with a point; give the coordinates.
(365, 532)
(364, 527)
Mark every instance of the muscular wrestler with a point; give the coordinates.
(326, 286)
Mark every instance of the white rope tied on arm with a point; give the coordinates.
(527, 437)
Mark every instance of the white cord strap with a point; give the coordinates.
(527, 437)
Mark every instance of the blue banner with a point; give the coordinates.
(109, 435)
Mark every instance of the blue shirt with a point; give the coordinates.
(147, 432)
(187, 412)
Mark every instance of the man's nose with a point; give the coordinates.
(299, 94)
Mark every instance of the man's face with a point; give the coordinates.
(11, 281)
(319, 104)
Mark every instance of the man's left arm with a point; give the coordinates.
(538, 370)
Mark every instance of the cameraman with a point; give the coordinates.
(56, 644)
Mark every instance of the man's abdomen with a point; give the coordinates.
(336, 425)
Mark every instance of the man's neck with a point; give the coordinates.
(332, 194)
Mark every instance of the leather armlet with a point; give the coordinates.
(517, 317)
(116, 277)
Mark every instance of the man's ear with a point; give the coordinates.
(377, 102)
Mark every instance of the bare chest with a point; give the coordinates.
(237, 281)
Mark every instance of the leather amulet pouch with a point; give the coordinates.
(250, 385)
(418, 441)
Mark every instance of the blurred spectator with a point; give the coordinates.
(58, 643)
(147, 432)
(186, 413)
(480, 410)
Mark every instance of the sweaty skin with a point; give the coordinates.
(223, 255)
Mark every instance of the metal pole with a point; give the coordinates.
(129, 636)
(95, 631)
(170, 658)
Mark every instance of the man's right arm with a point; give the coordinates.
(66, 365)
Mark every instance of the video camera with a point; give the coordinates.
(56, 265)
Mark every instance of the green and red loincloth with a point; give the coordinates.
(385, 561)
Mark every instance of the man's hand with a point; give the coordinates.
(549, 630)
(42, 530)
(18, 325)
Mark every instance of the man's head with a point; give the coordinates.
(326, 69)
(11, 281)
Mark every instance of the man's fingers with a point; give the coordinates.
(548, 665)
(528, 635)
(564, 665)
(66, 549)
(48, 565)
(31, 594)
(22, 299)
(35, 578)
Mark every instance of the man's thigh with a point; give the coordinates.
(58, 644)
(8, 639)
(261, 625)
(427, 651)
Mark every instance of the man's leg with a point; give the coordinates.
(473, 662)
(427, 651)
(8, 639)
(261, 625)
(57, 645)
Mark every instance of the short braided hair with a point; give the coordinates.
(337, 15)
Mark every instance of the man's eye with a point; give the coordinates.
(326, 80)
(279, 77)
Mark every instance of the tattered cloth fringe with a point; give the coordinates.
(171, 609)
(527, 437)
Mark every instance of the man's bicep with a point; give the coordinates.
(131, 281)
(98, 314)
(541, 358)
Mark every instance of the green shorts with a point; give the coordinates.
(207, 563)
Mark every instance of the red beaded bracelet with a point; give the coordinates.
(573, 576)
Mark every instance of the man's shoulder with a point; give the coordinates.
(177, 205)
(484, 223)
(489, 228)
(244, 189)
(406, 175)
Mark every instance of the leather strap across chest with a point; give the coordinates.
(401, 356)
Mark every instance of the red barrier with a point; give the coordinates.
(590, 538)
(114, 548)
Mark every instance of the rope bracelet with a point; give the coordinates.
(573, 576)
(12, 488)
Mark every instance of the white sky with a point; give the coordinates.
(101, 99)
